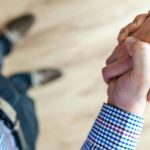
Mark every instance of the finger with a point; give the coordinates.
(113, 56)
(140, 51)
(140, 19)
(124, 33)
(117, 68)
(117, 54)
(132, 27)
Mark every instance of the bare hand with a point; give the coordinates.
(129, 91)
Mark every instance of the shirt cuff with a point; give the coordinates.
(114, 129)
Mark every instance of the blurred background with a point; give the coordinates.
(75, 36)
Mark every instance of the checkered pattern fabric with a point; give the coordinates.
(114, 129)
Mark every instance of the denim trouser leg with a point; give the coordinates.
(27, 115)
(25, 109)
(21, 81)
(5, 48)
(14, 91)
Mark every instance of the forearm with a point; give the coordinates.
(114, 129)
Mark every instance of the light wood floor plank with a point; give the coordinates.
(76, 36)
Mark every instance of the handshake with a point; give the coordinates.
(127, 70)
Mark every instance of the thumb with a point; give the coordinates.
(140, 53)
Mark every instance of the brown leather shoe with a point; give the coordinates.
(17, 28)
(44, 76)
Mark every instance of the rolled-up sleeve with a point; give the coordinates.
(114, 129)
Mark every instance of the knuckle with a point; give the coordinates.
(132, 27)
(140, 45)
(139, 16)
(104, 72)
(143, 49)
(145, 46)
(122, 30)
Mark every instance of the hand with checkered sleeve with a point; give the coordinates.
(129, 91)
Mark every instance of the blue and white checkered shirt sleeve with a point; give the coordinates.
(7, 141)
(114, 129)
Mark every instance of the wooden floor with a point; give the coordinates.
(75, 36)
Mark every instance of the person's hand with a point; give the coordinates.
(125, 32)
(120, 59)
(132, 27)
(129, 91)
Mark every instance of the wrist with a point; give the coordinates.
(136, 108)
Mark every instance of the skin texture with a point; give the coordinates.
(129, 91)
(120, 59)
(127, 31)
(132, 29)
(121, 63)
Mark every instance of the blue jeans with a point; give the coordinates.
(14, 90)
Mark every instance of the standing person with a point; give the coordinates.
(18, 120)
